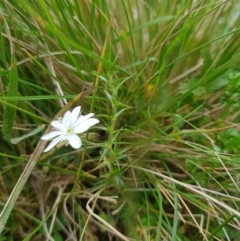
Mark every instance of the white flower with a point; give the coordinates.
(67, 128)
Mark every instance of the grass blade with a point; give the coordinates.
(9, 113)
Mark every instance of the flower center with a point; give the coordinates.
(70, 131)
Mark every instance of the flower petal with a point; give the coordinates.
(51, 135)
(84, 126)
(58, 125)
(75, 142)
(53, 143)
(74, 115)
(83, 118)
(66, 117)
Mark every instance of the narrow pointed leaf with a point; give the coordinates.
(31, 133)
(9, 112)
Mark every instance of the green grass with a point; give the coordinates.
(163, 78)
